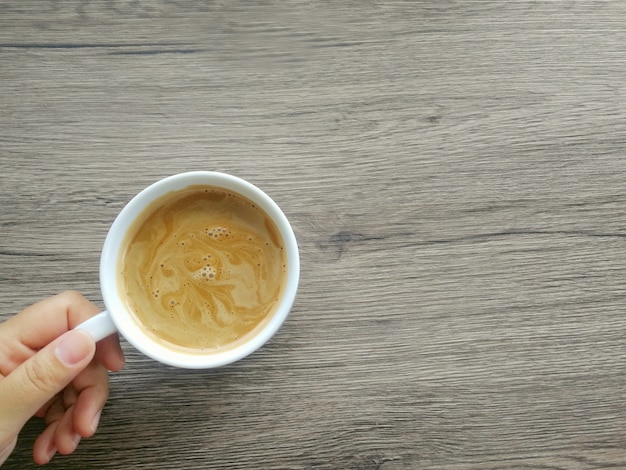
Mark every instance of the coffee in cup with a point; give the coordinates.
(201, 268)
(198, 270)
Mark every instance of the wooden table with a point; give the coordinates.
(455, 175)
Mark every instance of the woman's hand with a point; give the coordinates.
(53, 372)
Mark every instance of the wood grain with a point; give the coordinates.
(454, 172)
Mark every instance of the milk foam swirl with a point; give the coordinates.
(204, 268)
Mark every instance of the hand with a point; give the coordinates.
(53, 372)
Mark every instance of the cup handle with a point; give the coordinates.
(99, 326)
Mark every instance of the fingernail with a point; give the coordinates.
(76, 440)
(95, 421)
(122, 359)
(51, 451)
(75, 346)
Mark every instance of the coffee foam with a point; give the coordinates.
(203, 268)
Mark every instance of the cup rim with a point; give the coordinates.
(132, 331)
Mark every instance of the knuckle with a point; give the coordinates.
(71, 297)
(77, 307)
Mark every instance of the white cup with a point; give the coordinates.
(118, 318)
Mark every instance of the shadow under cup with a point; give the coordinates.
(157, 273)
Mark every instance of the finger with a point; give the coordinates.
(38, 379)
(44, 448)
(66, 438)
(22, 335)
(93, 390)
(87, 411)
(41, 323)
(110, 354)
(87, 393)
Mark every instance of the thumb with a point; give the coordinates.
(38, 379)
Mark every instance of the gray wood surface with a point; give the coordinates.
(454, 172)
